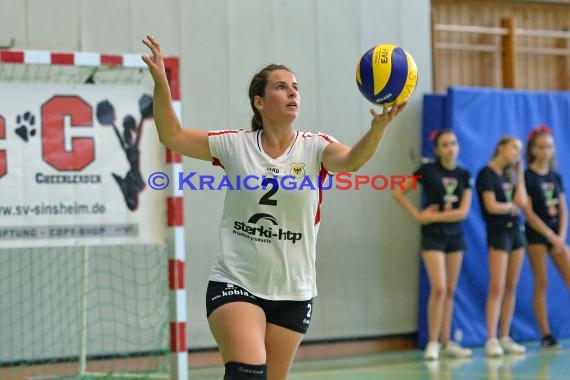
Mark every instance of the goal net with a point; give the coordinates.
(85, 243)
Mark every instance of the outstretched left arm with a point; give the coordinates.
(341, 158)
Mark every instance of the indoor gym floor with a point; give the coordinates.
(409, 365)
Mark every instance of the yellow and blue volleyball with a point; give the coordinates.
(386, 74)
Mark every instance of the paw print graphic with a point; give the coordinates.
(26, 127)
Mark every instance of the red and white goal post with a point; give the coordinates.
(92, 258)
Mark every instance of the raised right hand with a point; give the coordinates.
(155, 62)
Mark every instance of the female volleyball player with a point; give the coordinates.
(259, 298)
(448, 194)
(546, 223)
(501, 191)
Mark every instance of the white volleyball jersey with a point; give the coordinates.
(271, 217)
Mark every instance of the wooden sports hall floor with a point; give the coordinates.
(364, 361)
(409, 365)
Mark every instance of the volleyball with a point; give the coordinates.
(386, 74)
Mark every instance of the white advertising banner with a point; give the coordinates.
(74, 163)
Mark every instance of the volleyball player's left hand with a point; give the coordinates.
(387, 115)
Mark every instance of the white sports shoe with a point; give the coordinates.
(454, 350)
(432, 351)
(493, 349)
(511, 347)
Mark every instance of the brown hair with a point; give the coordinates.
(503, 141)
(257, 88)
(541, 130)
(436, 135)
(509, 169)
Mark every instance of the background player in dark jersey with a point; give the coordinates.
(258, 337)
(447, 191)
(546, 223)
(501, 191)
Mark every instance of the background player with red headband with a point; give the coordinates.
(447, 188)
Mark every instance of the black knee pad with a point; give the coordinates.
(242, 371)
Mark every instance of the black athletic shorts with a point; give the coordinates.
(441, 242)
(509, 238)
(292, 315)
(533, 237)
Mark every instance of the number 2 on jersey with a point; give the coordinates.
(266, 198)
